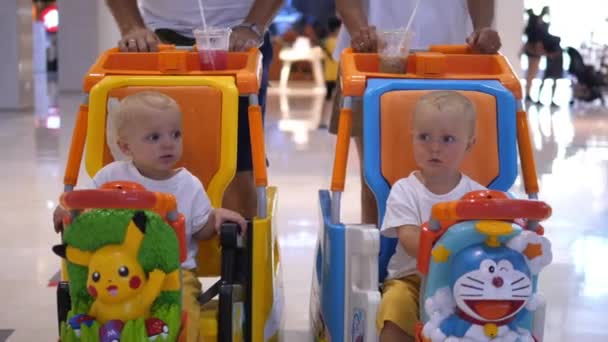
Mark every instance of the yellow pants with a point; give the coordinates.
(399, 304)
(191, 289)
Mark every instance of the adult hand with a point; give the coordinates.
(243, 39)
(139, 40)
(365, 39)
(485, 40)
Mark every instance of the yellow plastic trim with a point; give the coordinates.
(208, 325)
(77, 256)
(493, 229)
(64, 270)
(96, 127)
(173, 281)
(441, 254)
(265, 275)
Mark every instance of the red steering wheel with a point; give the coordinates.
(490, 205)
(128, 195)
(478, 205)
(119, 195)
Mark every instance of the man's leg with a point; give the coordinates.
(533, 66)
(531, 72)
(369, 209)
(553, 88)
(240, 195)
(540, 90)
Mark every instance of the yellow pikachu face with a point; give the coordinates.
(114, 276)
(114, 271)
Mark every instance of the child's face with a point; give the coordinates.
(441, 140)
(153, 140)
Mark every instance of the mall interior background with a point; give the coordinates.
(41, 76)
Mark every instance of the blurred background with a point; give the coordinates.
(47, 46)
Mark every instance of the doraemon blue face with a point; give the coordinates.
(490, 284)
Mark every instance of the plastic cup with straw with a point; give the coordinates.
(394, 47)
(212, 44)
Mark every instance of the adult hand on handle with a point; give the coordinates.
(365, 39)
(139, 40)
(243, 39)
(485, 40)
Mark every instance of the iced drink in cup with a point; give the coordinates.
(393, 48)
(212, 45)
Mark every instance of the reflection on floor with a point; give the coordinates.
(571, 150)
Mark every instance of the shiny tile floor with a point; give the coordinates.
(571, 149)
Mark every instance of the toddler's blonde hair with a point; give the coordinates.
(447, 101)
(124, 114)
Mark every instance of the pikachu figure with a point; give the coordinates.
(116, 281)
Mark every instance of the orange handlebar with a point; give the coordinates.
(342, 144)
(528, 167)
(119, 195)
(256, 131)
(128, 195)
(165, 47)
(76, 147)
(491, 209)
(108, 199)
(451, 49)
(122, 185)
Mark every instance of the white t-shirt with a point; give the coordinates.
(192, 200)
(410, 203)
(436, 21)
(183, 16)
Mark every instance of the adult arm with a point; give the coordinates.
(134, 34)
(261, 14)
(484, 39)
(481, 12)
(363, 36)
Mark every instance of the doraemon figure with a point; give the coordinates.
(490, 291)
